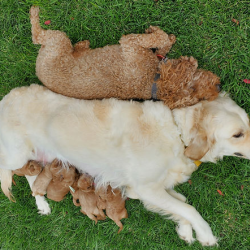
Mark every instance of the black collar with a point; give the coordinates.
(157, 76)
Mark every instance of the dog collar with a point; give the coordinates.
(157, 76)
(197, 163)
(163, 58)
(154, 87)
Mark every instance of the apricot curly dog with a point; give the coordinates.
(130, 70)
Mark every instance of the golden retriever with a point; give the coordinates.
(139, 147)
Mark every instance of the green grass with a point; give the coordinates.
(205, 30)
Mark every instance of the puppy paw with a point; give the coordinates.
(185, 232)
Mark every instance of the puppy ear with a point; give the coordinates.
(197, 148)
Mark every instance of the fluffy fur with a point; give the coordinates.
(139, 147)
(123, 71)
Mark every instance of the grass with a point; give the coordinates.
(205, 30)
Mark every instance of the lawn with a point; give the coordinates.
(215, 32)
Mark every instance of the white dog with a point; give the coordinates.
(139, 147)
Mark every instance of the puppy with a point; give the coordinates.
(111, 200)
(42, 181)
(84, 196)
(62, 179)
(31, 168)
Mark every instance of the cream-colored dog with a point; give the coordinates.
(139, 147)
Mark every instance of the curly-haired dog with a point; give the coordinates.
(127, 71)
(142, 148)
(84, 196)
(112, 201)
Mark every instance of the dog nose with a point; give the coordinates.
(218, 87)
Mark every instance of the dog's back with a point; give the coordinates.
(108, 139)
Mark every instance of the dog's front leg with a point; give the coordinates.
(160, 201)
(42, 204)
(176, 195)
(155, 38)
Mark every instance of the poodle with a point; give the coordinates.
(130, 70)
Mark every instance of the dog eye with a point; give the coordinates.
(238, 154)
(238, 135)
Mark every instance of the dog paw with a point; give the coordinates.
(185, 232)
(152, 29)
(207, 240)
(34, 11)
(172, 38)
(190, 60)
(42, 205)
(46, 211)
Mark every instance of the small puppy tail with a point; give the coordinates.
(38, 34)
(6, 182)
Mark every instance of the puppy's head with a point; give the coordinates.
(85, 183)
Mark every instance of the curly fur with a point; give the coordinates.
(124, 71)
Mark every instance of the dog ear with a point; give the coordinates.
(198, 147)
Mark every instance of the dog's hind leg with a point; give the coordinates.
(162, 202)
(42, 204)
(38, 33)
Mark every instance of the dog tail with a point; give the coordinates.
(38, 33)
(6, 183)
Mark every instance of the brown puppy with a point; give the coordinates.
(111, 200)
(127, 71)
(84, 196)
(31, 168)
(62, 179)
(42, 181)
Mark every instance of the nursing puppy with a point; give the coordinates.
(139, 147)
(84, 196)
(112, 201)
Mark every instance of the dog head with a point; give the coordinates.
(206, 85)
(220, 128)
(86, 183)
(182, 84)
